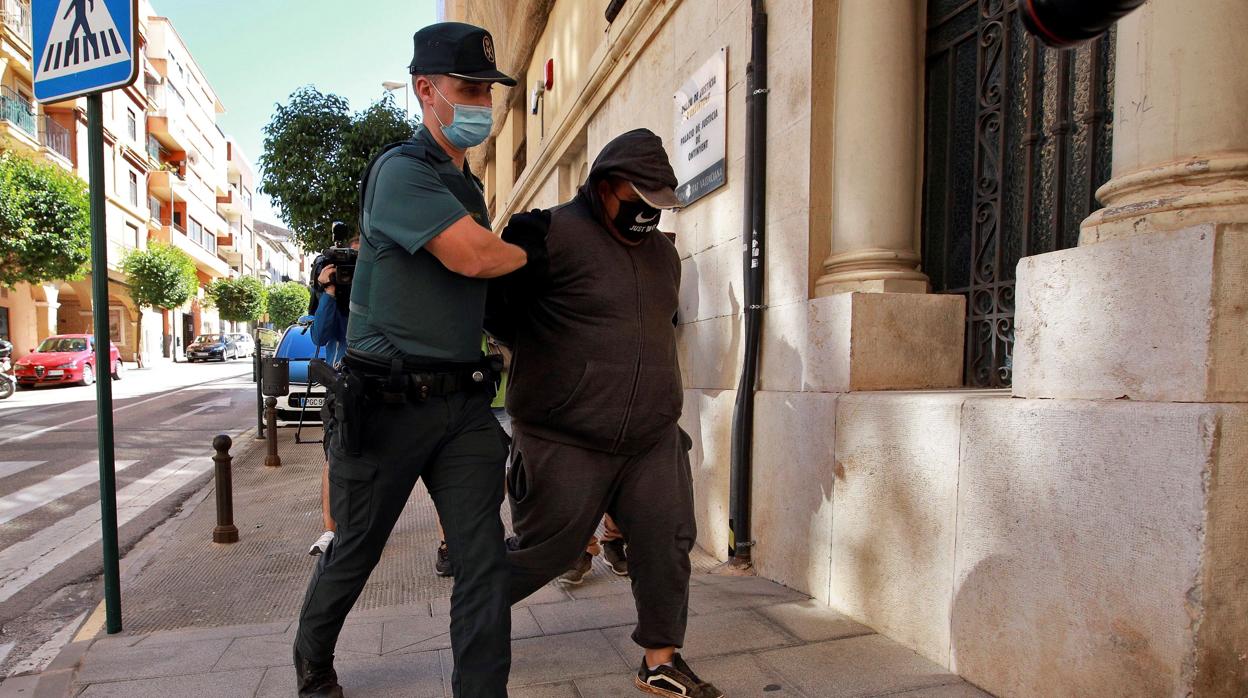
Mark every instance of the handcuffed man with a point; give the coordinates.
(595, 395)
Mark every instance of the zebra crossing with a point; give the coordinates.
(27, 561)
(88, 48)
(31, 498)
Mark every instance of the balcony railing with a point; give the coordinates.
(16, 16)
(18, 111)
(55, 136)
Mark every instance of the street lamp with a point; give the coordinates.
(391, 86)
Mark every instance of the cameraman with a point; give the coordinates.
(329, 330)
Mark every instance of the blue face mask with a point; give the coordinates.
(470, 126)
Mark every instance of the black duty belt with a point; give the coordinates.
(398, 378)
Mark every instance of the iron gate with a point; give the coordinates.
(1018, 139)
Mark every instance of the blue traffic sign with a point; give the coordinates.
(84, 46)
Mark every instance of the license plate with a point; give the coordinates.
(313, 402)
(55, 374)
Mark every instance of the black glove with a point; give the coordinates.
(528, 232)
(1065, 23)
(506, 302)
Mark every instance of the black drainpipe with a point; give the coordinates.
(755, 222)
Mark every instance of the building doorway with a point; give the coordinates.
(188, 331)
(1018, 139)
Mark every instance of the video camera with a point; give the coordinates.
(343, 257)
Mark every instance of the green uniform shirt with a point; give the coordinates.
(405, 303)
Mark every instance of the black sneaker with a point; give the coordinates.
(443, 564)
(677, 680)
(576, 575)
(613, 552)
(315, 679)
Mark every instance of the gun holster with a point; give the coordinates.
(346, 401)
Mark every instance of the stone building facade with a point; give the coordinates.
(1004, 364)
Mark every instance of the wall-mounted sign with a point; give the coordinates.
(702, 130)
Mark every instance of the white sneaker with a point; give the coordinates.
(321, 543)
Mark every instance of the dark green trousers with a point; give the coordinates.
(457, 447)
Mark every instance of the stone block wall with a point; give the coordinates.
(1036, 547)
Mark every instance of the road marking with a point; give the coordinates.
(26, 562)
(91, 628)
(222, 402)
(45, 430)
(13, 467)
(27, 500)
(42, 657)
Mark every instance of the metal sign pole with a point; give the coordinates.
(90, 49)
(103, 365)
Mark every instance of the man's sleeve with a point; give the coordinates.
(411, 205)
(323, 322)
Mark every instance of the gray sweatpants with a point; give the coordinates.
(558, 494)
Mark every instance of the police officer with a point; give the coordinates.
(413, 400)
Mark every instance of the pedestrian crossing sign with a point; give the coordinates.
(84, 46)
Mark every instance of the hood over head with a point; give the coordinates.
(638, 157)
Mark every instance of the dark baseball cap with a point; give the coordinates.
(460, 50)
(638, 158)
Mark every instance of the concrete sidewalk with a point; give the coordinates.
(217, 620)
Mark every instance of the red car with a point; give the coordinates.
(65, 358)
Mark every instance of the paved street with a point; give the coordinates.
(50, 560)
(207, 619)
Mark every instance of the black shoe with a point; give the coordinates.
(613, 552)
(443, 564)
(677, 681)
(316, 679)
(576, 575)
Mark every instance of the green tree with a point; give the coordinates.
(45, 222)
(287, 303)
(314, 152)
(162, 276)
(238, 300)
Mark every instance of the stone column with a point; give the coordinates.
(45, 310)
(1180, 136)
(1152, 304)
(1139, 331)
(872, 325)
(875, 157)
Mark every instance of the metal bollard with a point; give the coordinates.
(271, 460)
(226, 531)
(259, 378)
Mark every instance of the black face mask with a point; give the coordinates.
(635, 220)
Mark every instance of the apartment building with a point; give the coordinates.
(278, 258)
(171, 175)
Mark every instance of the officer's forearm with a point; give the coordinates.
(471, 250)
(499, 260)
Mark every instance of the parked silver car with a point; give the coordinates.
(246, 345)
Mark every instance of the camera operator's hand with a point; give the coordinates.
(326, 279)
